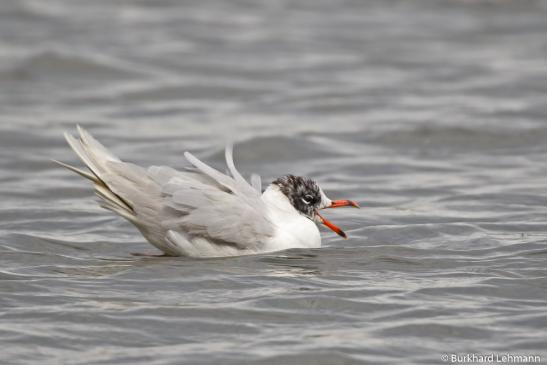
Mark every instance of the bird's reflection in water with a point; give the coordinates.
(293, 263)
(100, 268)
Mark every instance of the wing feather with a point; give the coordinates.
(219, 177)
(196, 212)
(242, 184)
(256, 182)
(227, 212)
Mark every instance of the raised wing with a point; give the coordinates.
(209, 211)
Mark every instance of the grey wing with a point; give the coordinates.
(208, 213)
(199, 212)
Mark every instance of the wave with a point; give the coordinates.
(53, 64)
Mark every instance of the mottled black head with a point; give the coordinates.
(303, 193)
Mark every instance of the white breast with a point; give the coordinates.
(293, 230)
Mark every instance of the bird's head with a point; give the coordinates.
(307, 198)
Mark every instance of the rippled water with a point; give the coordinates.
(431, 114)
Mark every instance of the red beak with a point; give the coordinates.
(343, 203)
(335, 228)
(337, 204)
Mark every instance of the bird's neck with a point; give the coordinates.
(274, 198)
(294, 229)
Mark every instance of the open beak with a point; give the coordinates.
(332, 226)
(337, 204)
(343, 203)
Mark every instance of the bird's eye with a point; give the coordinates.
(308, 199)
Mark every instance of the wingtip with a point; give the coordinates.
(67, 135)
(191, 158)
(229, 153)
(85, 137)
(89, 176)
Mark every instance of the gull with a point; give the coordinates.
(201, 212)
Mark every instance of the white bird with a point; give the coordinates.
(202, 212)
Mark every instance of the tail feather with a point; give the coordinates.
(99, 151)
(121, 211)
(107, 195)
(95, 156)
(78, 147)
(123, 188)
(82, 173)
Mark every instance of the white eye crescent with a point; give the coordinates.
(307, 199)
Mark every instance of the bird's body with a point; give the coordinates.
(295, 229)
(201, 212)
